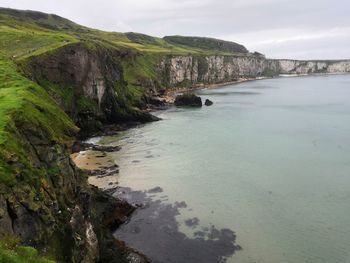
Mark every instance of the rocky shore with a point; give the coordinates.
(83, 83)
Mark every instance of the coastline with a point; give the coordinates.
(103, 171)
(170, 94)
(100, 162)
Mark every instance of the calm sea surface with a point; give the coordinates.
(265, 169)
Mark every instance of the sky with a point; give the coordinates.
(297, 29)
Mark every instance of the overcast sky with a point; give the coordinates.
(300, 29)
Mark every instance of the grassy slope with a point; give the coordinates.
(67, 31)
(11, 252)
(209, 44)
(26, 34)
(19, 39)
(24, 103)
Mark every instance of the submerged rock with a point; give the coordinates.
(208, 102)
(188, 99)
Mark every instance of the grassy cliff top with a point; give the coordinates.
(23, 33)
(209, 44)
(12, 252)
(24, 105)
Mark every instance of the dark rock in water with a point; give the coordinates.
(102, 148)
(188, 99)
(208, 102)
(155, 190)
(82, 146)
(104, 171)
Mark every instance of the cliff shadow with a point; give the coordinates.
(154, 231)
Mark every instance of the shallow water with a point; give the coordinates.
(270, 161)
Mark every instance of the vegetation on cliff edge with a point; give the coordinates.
(12, 252)
(22, 102)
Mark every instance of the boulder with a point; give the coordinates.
(188, 99)
(208, 102)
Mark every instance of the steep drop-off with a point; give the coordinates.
(45, 201)
(60, 80)
(88, 83)
(190, 70)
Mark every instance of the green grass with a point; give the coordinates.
(12, 252)
(22, 42)
(25, 105)
(138, 71)
(204, 43)
(50, 32)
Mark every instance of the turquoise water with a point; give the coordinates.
(270, 160)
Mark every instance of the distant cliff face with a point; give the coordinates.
(188, 70)
(309, 67)
(215, 69)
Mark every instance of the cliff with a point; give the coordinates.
(191, 70)
(45, 201)
(60, 80)
(311, 67)
(88, 83)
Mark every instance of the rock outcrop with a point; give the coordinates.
(208, 102)
(89, 85)
(193, 70)
(310, 67)
(44, 199)
(58, 212)
(188, 100)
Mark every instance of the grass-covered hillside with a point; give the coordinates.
(27, 35)
(55, 75)
(208, 44)
(12, 252)
(24, 103)
(34, 30)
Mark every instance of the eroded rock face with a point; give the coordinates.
(87, 77)
(59, 213)
(190, 70)
(89, 71)
(309, 67)
(188, 100)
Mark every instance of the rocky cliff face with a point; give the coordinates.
(51, 207)
(88, 83)
(48, 203)
(189, 70)
(82, 81)
(214, 69)
(45, 200)
(309, 67)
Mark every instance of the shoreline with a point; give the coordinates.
(102, 163)
(103, 171)
(170, 94)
